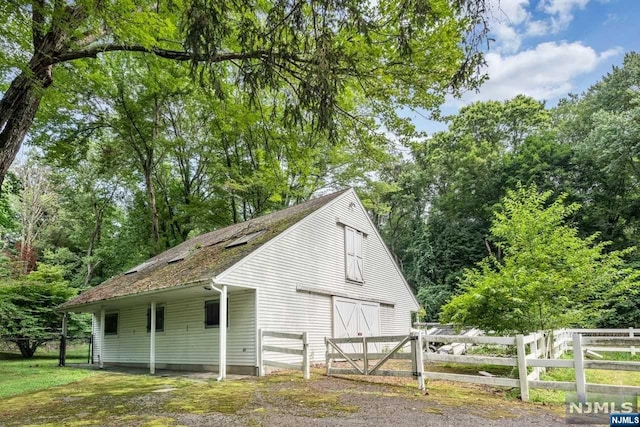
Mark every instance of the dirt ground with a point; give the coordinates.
(112, 399)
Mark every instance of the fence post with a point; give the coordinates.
(63, 342)
(534, 352)
(420, 361)
(365, 356)
(633, 349)
(414, 353)
(260, 353)
(543, 349)
(328, 358)
(522, 368)
(578, 364)
(305, 356)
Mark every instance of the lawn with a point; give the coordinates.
(37, 392)
(284, 399)
(19, 376)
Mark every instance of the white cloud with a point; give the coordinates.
(510, 21)
(504, 18)
(561, 12)
(508, 39)
(562, 7)
(545, 72)
(513, 12)
(537, 28)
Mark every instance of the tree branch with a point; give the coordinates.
(92, 52)
(37, 23)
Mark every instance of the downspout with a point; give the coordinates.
(222, 333)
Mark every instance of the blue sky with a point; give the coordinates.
(549, 48)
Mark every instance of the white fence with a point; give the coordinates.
(563, 338)
(532, 354)
(365, 358)
(300, 340)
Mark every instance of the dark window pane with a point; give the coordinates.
(212, 314)
(159, 319)
(111, 324)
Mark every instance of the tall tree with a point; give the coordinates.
(603, 127)
(27, 309)
(442, 200)
(37, 207)
(548, 278)
(411, 52)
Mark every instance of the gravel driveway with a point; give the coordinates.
(377, 404)
(113, 399)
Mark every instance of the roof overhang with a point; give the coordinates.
(197, 289)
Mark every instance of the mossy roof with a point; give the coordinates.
(199, 258)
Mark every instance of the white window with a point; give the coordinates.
(353, 254)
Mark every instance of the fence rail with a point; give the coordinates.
(302, 338)
(367, 362)
(532, 354)
(563, 336)
(531, 351)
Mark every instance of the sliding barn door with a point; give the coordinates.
(353, 318)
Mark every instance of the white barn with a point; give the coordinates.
(320, 267)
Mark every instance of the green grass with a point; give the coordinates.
(123, 399)
(113, 398)
(19, 376)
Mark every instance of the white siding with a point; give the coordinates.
(185, 340)
(312, 254)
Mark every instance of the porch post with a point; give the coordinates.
(222, 363)
(152, 339)
(63, 341)
(102, 315)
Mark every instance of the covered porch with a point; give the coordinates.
(202, 326)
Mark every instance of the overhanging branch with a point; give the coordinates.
(175, 55)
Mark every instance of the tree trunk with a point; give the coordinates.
(27, 347)
(18, 109)
(153, 207)
(93, 240)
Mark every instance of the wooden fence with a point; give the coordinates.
(563, 338)
(533, 354)
(365, 359)
(579, 345)
(302, 350)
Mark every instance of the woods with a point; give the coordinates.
(148, 123)
(583, 151)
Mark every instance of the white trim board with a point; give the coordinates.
(324, 292)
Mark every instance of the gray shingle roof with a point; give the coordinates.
(202, 257)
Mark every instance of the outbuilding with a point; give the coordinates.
(320, 267)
